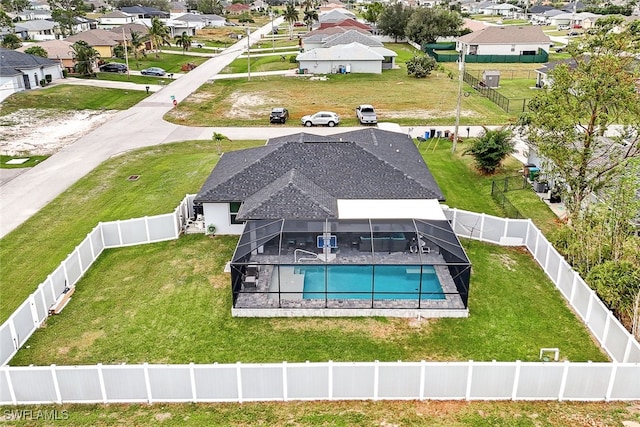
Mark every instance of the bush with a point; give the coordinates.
(292, 59)
(491, 149)
(43, 83)
(118, 51)
(420, 66)
(65, 73)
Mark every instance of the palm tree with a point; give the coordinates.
(158, 34)
(291, 16)
(310, 16)
(137, 41)
(218, 138)
(84, 57)
(184, 41)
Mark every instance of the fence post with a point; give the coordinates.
(612, 378)
(285, 392)
(101, 234)
(119, 233)
(56, 386)
(516, 381)
(12, 392)
(103, 388)
(627, 350)
(563, 381)
(482, 217)
(376, 378)
(239, 381)
(147, 383)
(192, 380)
(467, 393)
(422, 378)
(93, 252)
(574, 285)
(330, 382)
(605, 334)
(589, 306)
(14, 335)
(146, 228)
(34, 311)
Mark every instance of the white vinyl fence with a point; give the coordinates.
(619, 380)
(30, 315)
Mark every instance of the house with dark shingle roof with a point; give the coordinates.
(304, 204)
(20, 71)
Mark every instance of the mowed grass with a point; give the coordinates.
(72, 97)
(260, 63)
(36, 248)
(170, 302)
(404, 100)
(348, 413)
(170, 62)
(33, 160)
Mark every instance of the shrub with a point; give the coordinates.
(420, 66)
(491, 149)
(43, 83)
(292, 59)
(118, 51)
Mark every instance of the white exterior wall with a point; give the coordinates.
(41, 35)
(114, 22)
(505, 49)
(331, 67)
(9, 86)
(217, 214)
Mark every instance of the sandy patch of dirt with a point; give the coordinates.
(200, 97)
(45, 132)
(507, 262)
(249, 105)
(427, 114)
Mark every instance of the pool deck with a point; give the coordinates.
(265, 301)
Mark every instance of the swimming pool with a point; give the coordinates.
(358, 282)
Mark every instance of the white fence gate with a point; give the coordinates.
(619, 380)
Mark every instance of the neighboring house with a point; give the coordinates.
(348, 38)
(114, 19)
(335, 15)
(57, 50)
(41, 14)
(190, 23)
(507, 41)
(345, 23)
(322, 207)
(40, 30)
(39, 5)
(101, 40)
(570, 18)
(332, 5)
(473, 25)
(17, 29)
(346, 58)
(80, 24)
(545, 17)
(144, 12)
(237, 9)
(503, 9)
(542, 74)
(177, 8)
(20, 71)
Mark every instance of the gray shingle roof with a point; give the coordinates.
(351, 36)
(302, 175)
(11, 62)
(508, 34)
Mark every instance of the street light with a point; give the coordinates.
(459, 105)
(273, 37)
(248, 54)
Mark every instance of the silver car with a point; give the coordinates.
(321, 118)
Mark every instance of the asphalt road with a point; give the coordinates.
(139, 126)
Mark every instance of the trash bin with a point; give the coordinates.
(432, 132)
(446, 134)
(533, 173)
(426, 135)
(438, 134)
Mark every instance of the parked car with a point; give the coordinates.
(153, 71)
(113, 67)
(366, 114)
(298, 24)
(278, 115)
(573, 33)
(321, 118)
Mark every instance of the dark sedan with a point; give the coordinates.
(113, 67)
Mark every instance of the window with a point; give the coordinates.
(513, 48)
(234, 207)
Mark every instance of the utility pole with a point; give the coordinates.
(273, 37)
(459, 105)
(248, 54)
(126, 53)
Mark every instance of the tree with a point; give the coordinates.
(184, 41)
(618, 285)
(569, 119)
(11, 41)
(393, 20)
(159, 35)
(490, 149)
(218, 139)
(290, 16)
(420, 66)
(310, 16)
(64, 13)
(428, 23)
(37, 50)
(84, 57)
(15, 6)
(210, 7)
(5, 20)
(372, 12)
(137, 41)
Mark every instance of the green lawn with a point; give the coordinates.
(33, 160)
(72, 97)
(347, 414)
(170, 62)
(117, 77)
(259, 63)
(177, 289)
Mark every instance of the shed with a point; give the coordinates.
(491, 78)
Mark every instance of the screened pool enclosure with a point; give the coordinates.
(350, 264)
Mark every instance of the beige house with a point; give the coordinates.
(101, 40)
(59, 50)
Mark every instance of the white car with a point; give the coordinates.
(321, 118)
(366, 114)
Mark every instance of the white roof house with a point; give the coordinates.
(508, 40)
(115, 19)
(348, 58)
(40, 30)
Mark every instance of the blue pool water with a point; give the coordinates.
(357, 282)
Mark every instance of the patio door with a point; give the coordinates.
(27, 83)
